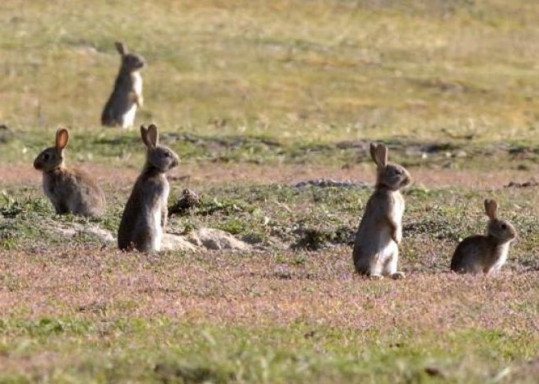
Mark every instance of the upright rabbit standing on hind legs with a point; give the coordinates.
(485, 254)
(70, 190)
(376, 246)
(127, 93)
(145, 214)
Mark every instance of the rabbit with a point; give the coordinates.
(376, 245)
(485, 253)
(145, 214)
(122, 105)
(70, 190)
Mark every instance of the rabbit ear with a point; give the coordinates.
(491, 208)
(153, 135)
(149, 135)
(379, 154)
(121, 48)
(62, 137)
(373, 151)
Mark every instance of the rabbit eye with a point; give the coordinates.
(398, 171)
(504, 226)
(46, 156)
(166, 154)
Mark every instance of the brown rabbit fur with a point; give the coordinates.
(485, 253)
(145, 214)
(70, 190)
(121, 107)
(376, 246)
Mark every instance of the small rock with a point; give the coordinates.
(171, 242)
(74, 229)
(5, 133)
(209, 238)
(435, 372)
(216, 239)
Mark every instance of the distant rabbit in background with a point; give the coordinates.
(122, 105)
(376, 246)
(485, 254)
(70, 190)
(145, 214)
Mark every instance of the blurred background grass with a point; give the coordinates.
(321, 71)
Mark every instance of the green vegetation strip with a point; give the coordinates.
(157, 350)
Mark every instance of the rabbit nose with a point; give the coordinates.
(37, 163)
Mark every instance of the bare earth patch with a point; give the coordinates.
(204, 173)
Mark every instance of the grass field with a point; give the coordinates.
(256, 97)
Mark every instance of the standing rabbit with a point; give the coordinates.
(70, 190)
(127, 94)
(485, 254)
(145, 214)
(376, 246)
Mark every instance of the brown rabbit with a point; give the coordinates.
(376, 246)
(70, 190)
(145, 214)
(122, 105)
(485, 254)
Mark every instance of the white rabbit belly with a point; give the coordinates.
(128, 118)
(383, 254)
(137, 83)
(157, 231)
(389, 258)
(387, 247)
(397, 210)
(501, 258)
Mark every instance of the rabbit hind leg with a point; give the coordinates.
(390, 265)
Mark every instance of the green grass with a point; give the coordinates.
(126, 149)
(334, 70)
(256, 96)
(165, 351)
(306, 218)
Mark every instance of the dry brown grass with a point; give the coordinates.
(316, 294)
(261, 289)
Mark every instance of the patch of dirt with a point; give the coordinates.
(25, 174)
(293, 174)
(189, 174)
